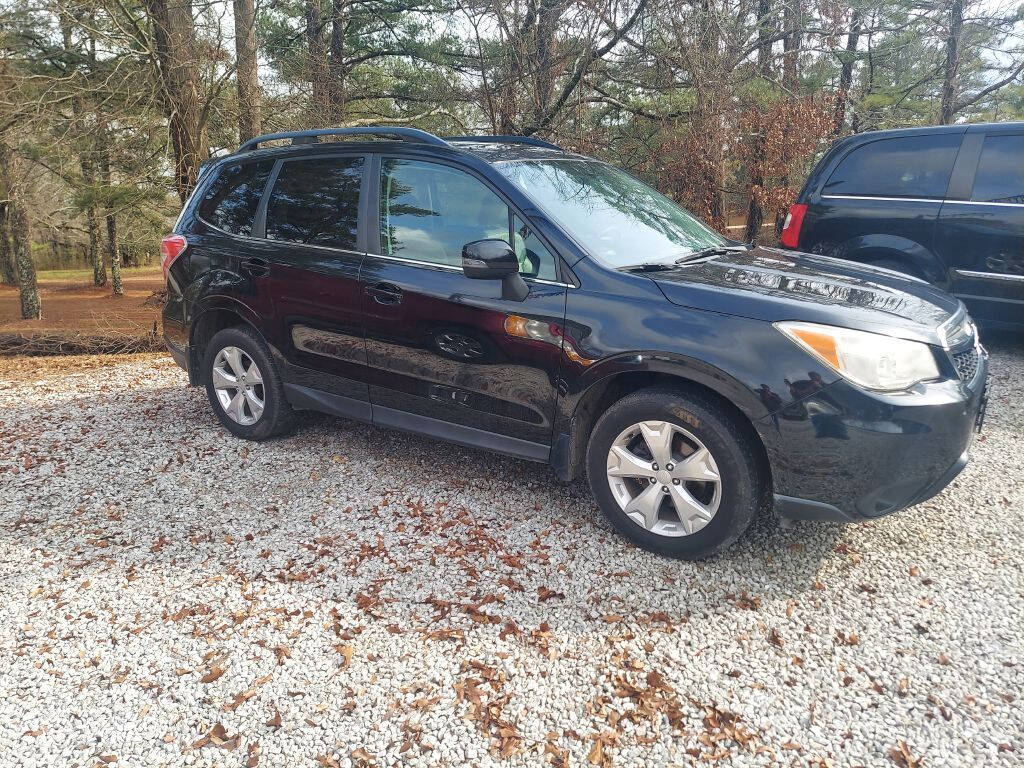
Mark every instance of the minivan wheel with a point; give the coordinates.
(674, 472)
(243, 385)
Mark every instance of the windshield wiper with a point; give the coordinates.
(649, 266)
(715, 250)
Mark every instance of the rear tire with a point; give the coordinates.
(664, 508)
(244, 387)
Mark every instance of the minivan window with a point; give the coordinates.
(429, 211)
(231, 201)
(906, 166)
(315, 201)
(1000, 176)
(617, 218)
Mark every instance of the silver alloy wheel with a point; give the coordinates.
(664, 478)
(239, 385)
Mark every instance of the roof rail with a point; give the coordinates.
(507, 139)
(310, 137)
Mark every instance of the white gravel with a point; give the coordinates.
(354, 596)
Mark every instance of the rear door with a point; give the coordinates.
(981, 227)
(311, 220)
(447, 355)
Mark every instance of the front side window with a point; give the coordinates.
(1000, 176)
(429, 211)
(316, 202)
(231, 201)
(907, 166)
(617, 218)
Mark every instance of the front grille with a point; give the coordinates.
(966, 363)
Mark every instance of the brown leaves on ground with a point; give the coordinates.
(240, 698)
(213, 673)
(275, 721)
(775, 637)
(346, 654)
(903, 757)
(252, 758)
(487, 704)
(722, 728)
(282, 652)
(543, 594)
(218, 737)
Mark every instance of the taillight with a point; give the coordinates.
(171, 247)
(790, 236)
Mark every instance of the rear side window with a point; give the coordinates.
(316, 202)
(1000, 176)
(908, 166)
(231, 201)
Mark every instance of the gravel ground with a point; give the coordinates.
(354, 596)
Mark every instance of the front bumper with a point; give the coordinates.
(845, 454)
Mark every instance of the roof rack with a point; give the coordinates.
(310, 137)
(507, 139)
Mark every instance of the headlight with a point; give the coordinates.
(871, 360)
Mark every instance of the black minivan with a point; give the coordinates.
(945, 204)
(504, 294)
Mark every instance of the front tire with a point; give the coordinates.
(243, 385)
(674, 472)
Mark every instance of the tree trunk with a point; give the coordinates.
(20, 236)
(755, 212)
(8, 273)
(178, 72)
(246, 73)
(846, 73)
(316, 51)
(547, 20)
(336, 86)
(791, 43)
(951, 75)
(113, 252)
(99, 269)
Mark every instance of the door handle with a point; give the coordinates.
(385, 293)
(256, 267)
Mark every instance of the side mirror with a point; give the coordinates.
(495, 260)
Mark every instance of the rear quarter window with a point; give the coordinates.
(905, 166)
(231, 201)
(1000, 175)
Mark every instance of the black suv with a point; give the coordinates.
(504, 294)
(945, 204)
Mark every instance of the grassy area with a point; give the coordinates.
(84, 274)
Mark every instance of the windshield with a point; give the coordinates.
(615, 217)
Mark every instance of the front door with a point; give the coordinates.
(982, 238)
(446, 354)
(312, 230)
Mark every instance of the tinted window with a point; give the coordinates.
(316, 202)
(231, 201)
(910, 166)
(429, 211)
(1000, 176)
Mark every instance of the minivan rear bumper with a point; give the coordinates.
(844, 454)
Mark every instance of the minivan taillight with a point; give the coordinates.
(171, 247)
(790, 236)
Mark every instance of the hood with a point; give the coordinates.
(771, 284)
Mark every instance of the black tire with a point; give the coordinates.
(721, 432)
(277, 417)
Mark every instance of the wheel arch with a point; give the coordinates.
(878, 247)
(629, 373)
(213, 316)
